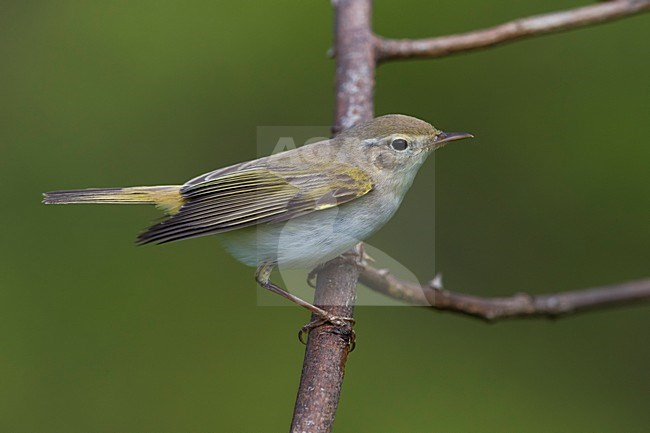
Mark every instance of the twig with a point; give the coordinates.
(520, 305)
(391, 49)
(328, 347)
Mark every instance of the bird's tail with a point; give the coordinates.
(168, 198)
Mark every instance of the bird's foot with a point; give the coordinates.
(311, 276)
(342, 325)
(357, 255)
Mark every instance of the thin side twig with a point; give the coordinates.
(520, 305)
(328, 347)
(392, 49)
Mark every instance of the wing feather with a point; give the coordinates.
(226, 200)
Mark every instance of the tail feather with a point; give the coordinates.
(167, 198)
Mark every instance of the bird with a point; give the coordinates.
(294, 209)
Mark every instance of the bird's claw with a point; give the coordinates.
(311, 276)
(358, 256)
(343, 325)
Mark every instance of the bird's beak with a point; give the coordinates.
(445, 137)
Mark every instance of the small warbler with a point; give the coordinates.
(297, 208)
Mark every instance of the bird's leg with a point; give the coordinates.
(263, 275)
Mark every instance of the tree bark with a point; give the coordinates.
(328, 346)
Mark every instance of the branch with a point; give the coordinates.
(328, 347)
(355, 63)
(357, 51)
(391, 49)
(517, 306)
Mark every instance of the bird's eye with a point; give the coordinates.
(399, 144)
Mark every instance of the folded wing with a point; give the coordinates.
(256, 196)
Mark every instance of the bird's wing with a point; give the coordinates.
(255, 196)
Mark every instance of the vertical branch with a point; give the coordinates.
(328, 347)
(355, 62)
(327, 351)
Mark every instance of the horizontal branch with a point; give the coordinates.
(390, 49)
(516, 306)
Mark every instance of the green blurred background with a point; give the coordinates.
(101, 336)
